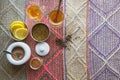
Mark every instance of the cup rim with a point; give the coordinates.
(39, 59)
(45, 38)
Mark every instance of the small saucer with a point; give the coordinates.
(42, 48)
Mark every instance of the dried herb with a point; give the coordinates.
(64, 43)
(67, 39)
(61, 43)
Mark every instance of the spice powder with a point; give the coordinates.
(18, 53)
(35, 63)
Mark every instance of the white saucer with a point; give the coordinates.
(42, 48)
(26, 49)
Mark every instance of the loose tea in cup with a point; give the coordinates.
(40, 32)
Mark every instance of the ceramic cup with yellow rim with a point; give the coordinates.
(18, 30)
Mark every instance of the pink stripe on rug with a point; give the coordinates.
(53, 64)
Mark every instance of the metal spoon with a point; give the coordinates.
(7, 52)
(60, 1)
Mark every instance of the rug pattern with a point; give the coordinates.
(76, 17)
(10, 10)
(53, 67)
(104, 39)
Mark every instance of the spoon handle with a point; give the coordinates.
(60, 1)
(7, 52)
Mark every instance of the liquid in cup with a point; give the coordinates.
(56, 17)
(34, 12)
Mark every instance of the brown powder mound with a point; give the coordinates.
(36, 63)
(18, 53)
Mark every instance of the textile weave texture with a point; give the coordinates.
(10, 10)
(76, 17)
(53, 64)
(104, 39)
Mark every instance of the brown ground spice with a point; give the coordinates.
(18, 53)
(35, 63)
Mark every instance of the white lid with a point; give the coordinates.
(42, 48)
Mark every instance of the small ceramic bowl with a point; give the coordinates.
(42, 48)
(35, 63)
(40, 32)
(27, 53)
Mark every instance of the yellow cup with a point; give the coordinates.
(18, 30)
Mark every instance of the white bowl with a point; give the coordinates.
(26, 49)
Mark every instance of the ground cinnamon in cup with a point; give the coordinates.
(35, 63)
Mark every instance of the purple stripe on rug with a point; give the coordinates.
(104, 39)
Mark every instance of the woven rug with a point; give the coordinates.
(104, 39)
(10, 10)
(76, 17)
(53, 64)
